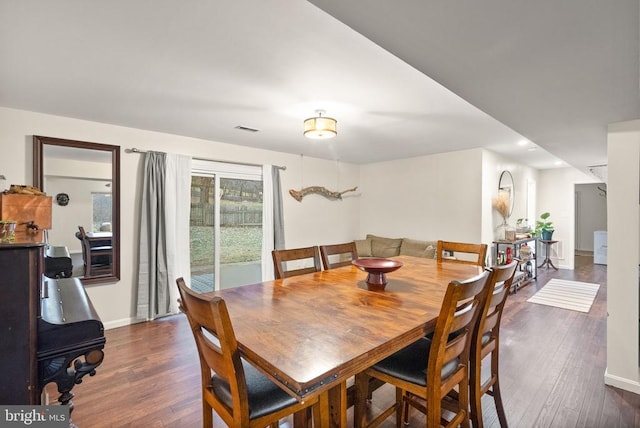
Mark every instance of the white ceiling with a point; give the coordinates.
(555, 73)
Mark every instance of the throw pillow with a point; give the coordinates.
(363, 246)
(430, 252)
(412, 247)
(384, 247)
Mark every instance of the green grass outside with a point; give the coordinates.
(238, 244)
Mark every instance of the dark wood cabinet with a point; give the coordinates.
(21, 269)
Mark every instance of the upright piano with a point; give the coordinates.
(49, 330)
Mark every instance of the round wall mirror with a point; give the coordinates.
(505, 184)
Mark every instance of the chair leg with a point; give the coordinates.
(406, 411)
(476, 394)
(207, 415)
(497, 396)
(399, 406)
(463, 400)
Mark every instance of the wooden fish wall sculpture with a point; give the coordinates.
(299, 194)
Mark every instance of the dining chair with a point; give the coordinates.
(476, 253)
(97, 259)
(432, 367)
(486, 339)
(338, 255)
(238, 392)
(282, 257)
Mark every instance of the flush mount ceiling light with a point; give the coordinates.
(320, 127)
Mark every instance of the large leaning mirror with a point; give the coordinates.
(505, 184)
(83, 180)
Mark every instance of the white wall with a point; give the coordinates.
(623, 222)
(428, 197)
(316, 220)
(326, 221)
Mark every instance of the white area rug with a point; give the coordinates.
(573, 295)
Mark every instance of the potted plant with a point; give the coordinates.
(544, 228)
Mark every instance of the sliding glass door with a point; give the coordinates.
(225, 225)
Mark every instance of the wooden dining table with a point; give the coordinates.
(310, 333)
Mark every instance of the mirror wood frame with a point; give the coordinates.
(39, 142)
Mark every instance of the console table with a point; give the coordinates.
(527, 267)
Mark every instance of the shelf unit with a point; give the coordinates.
(527, 270)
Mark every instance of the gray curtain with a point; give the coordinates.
(153, 281)
(278, 216)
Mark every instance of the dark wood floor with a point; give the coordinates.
(552, 370)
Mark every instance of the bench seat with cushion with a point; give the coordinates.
(377, 246)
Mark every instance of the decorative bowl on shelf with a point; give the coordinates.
(376, 269)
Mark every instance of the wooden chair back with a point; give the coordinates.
(485, 341)
(451, 342)
(83, 233)
(210, 317)
(218, 353)
(281, 257)
(489, 321)
(97, 260)
(479, 251)
(344, 253)
(446, 356)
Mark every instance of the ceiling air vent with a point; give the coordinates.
(246, 128)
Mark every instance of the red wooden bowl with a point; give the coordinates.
(376, 269)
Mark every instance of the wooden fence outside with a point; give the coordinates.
(230, 216)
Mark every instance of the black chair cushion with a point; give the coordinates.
(265, 397)
(410, 363)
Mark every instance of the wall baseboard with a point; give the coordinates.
(622, 383)
(121, 323)
(128, 321)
